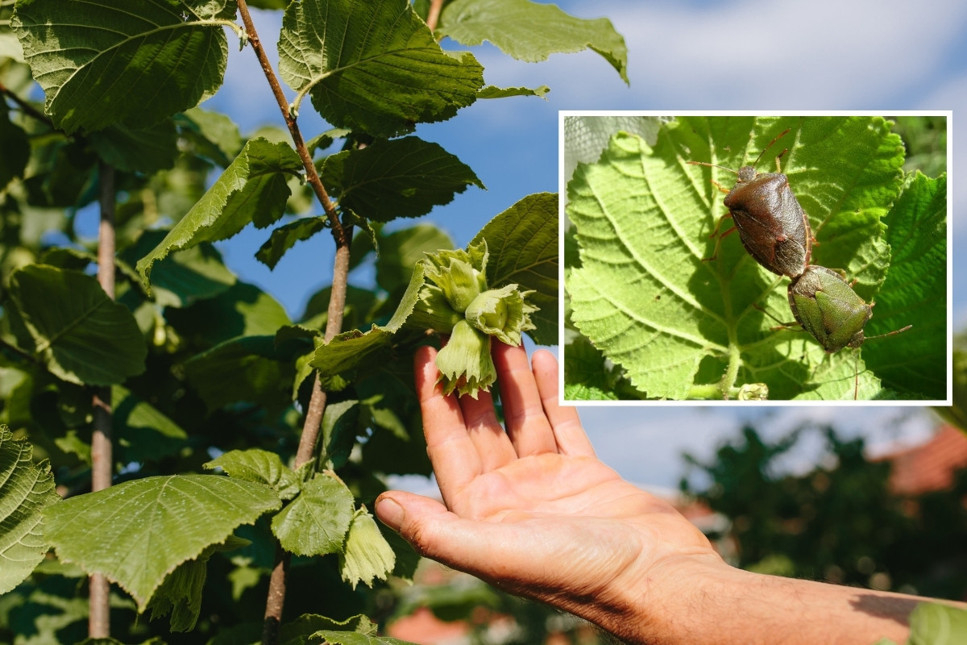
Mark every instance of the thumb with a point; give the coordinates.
(430, 528)
(409, 514)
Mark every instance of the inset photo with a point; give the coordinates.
(755, 258)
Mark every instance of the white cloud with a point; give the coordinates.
(758, 54)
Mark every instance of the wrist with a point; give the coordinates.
(702, 600)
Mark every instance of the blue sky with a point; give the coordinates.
(750, 55)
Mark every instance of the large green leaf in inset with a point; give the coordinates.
(80, 333)
(252, 189)
(530, 31)
(522, 242)
(372, 66)
(399, 178)
(137, 532)
(684, 327)
(103, 62)
(915, 292)
(316, 522)
(25, 490)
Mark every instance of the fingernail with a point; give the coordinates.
(390, 513)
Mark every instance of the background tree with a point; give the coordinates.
(840, 522)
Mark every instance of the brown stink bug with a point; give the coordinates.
(772, 225)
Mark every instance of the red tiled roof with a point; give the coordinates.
(930, 466)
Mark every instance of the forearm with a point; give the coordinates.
(721, 605)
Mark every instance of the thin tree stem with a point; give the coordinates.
(102, 459)
(26, 107)
(342, 235)
(312, 176)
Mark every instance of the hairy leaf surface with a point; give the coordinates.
(137, 532)
(260, 466)
(915, 292)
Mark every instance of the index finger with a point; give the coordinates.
(453, 455)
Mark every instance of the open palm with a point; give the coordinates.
(532, 509)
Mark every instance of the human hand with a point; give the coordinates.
(533, 511)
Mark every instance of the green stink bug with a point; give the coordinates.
(826, 306)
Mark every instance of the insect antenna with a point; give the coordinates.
(713, 165)
(771, 143)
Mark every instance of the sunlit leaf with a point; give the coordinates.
(260, 466)
(491, 92)
(316, 521)
(25, 490)
(531, 31)
(137, 532)
(158, 57)
(367, 555)
(373, 66)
